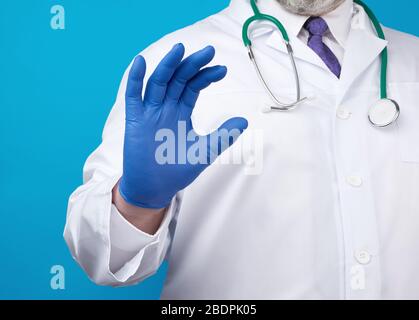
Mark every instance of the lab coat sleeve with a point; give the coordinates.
(109, 249)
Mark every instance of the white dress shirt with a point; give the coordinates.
(324, 207)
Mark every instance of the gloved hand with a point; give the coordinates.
(169, 99)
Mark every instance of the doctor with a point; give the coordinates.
(320, 204)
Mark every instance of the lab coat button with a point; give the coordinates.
(355, 181)
(343, 113)
(363, 257)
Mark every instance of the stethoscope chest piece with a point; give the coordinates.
(384, 113)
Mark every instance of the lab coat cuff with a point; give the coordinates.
(127, 237)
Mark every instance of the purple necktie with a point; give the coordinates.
(317, 27)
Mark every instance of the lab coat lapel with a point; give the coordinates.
(306, 60)
(301, 50)
(362, 49)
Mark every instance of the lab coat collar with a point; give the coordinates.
(362, 48)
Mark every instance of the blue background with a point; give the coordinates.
(56, 90)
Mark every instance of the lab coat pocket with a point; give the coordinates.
(407, 95)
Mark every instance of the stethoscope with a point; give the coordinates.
(382, 114)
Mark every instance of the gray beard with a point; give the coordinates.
(310, 7)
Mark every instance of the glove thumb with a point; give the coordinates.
(225, 136)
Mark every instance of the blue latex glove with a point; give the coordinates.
(170, 97)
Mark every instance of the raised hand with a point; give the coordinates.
(170, 96)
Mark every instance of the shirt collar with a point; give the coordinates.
(339, 20)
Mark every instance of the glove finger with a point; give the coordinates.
(157, 84)
(225, 137)
(187, 70)
(201, 81)
(133, 93)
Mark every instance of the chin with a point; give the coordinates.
(310, 7)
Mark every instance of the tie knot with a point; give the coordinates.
(316, 26)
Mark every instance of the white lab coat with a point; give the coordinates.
(332, 213)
